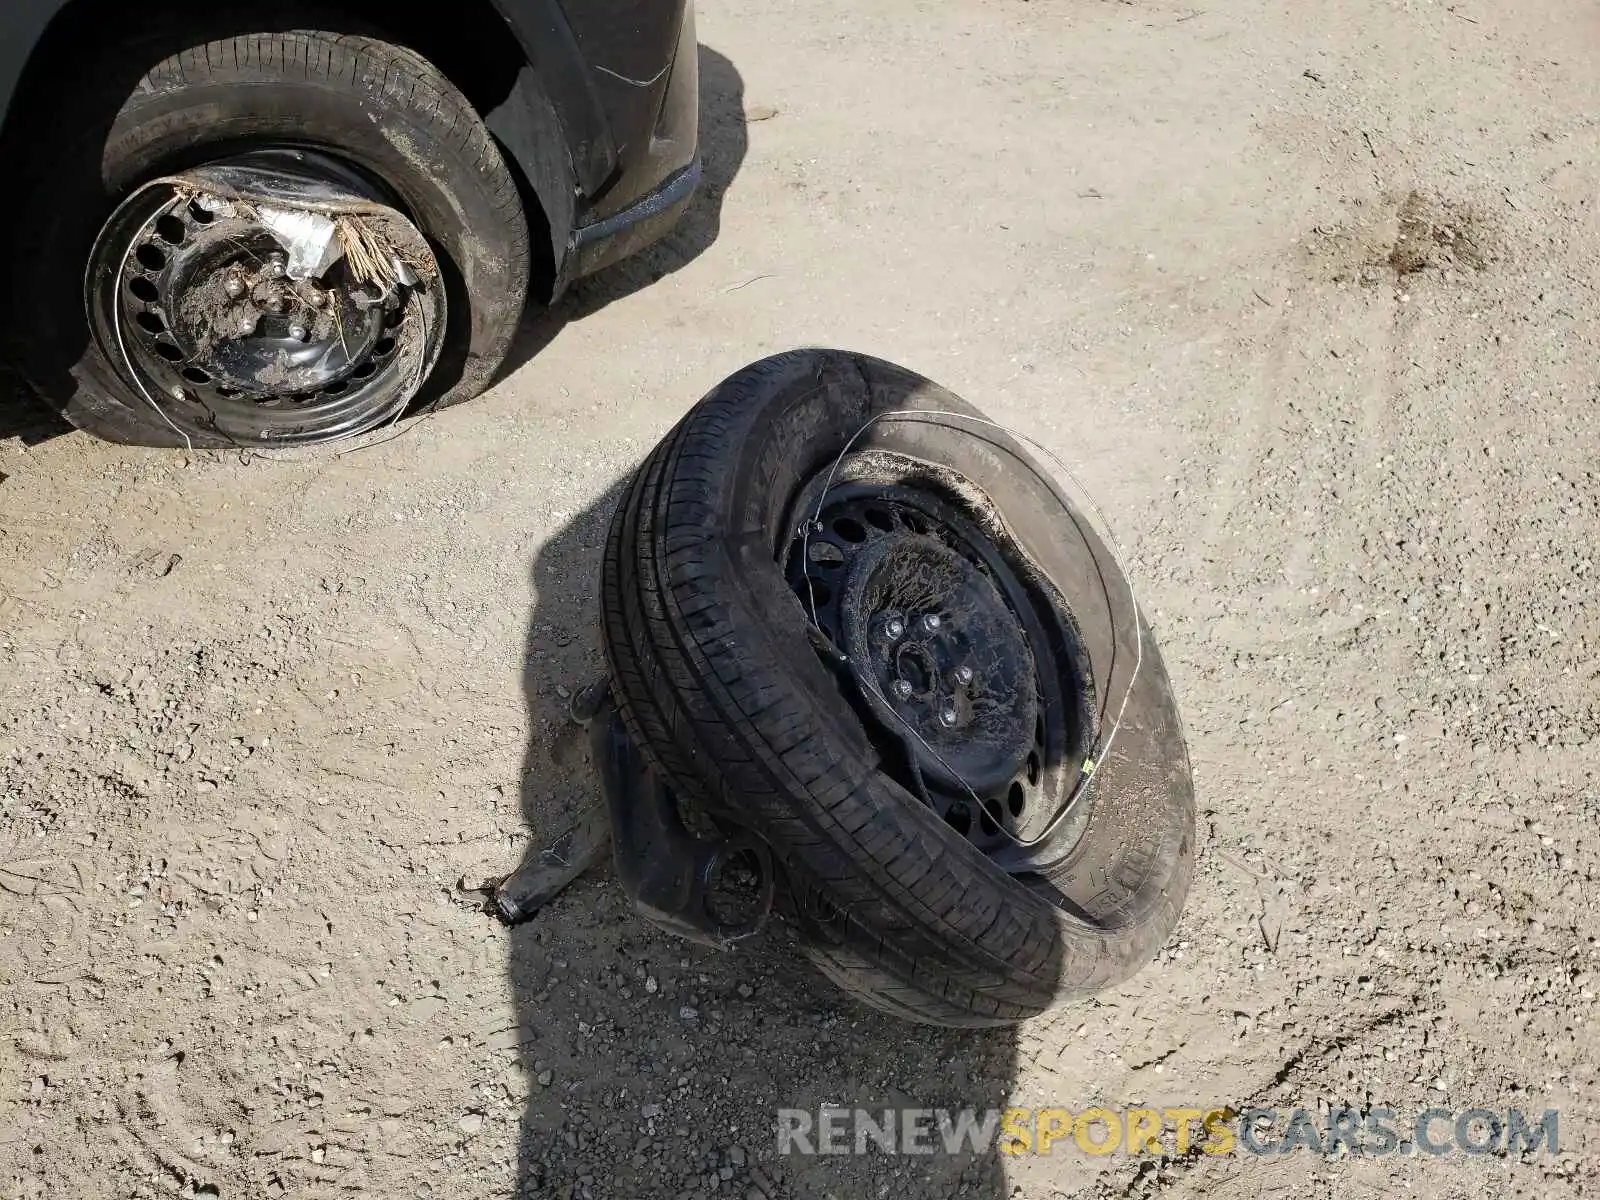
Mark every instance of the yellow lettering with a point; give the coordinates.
(1101, 1116)
(1053, 1124)
(1144, 1131)
(1219, 1138)
(1181, 1118)
(1016, 1131)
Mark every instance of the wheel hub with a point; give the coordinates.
(962, 664)
(236, 315)
(936, 652)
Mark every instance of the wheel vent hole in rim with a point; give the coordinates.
(196, 375)
(171, 230)
(335, 388)
(145, 289)
(383, 348)
(850, 530)
(169, 352)
(880, 519)
(151, 257)
(151, 322)
(821, 593)
(959, 818)
(227, 392)
(364, 370)
(1015, 799)
(1033, 770)
(200, 214)
(826, 555)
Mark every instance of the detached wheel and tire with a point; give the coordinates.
(179, 312)
(894, 652)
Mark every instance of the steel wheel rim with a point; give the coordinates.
(860, 528)
(344, 365)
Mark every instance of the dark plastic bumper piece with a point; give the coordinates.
(674, 879)
(686, 885)
(644, 221)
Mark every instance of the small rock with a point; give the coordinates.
(736, 1155)
(650, 1111)
(470, 1123)
(761, 112)
(546, 1077)
(746, 991)
(688, 1014)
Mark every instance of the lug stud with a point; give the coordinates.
(902, 688)
(947, 717)
(963, 675)
(895, 628)
(931, 622)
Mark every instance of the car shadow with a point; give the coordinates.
(724, 140)
(655, 1067)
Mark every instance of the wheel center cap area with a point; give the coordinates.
(941, 659)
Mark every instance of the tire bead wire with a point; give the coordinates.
(941, 417)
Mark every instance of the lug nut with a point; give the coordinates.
(896, 628)
(963, 674)
(947, 717)
(319, 299)
(298, 333)
(902, 688)
(931, 622)
(275, 266)
(178, 393)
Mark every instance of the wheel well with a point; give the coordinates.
(474, 48)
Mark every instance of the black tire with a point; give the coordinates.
(187, 101)
(718, 682)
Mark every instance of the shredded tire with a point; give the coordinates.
(717, 680)
(169, 100)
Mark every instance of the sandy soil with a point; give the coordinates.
(1306, 293)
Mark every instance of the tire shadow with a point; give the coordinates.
(655, 1067)
(724, 141)
(23, 415)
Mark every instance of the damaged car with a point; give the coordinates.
(235, 226)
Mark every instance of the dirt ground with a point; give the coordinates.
(1304, 292)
